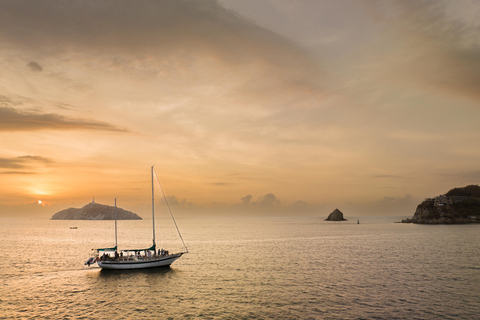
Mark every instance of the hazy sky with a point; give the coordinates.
(291, 107)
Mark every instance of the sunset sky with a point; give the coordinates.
(246, 106)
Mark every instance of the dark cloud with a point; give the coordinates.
(14, 120)
(220, 183)
(384, 176)
(34, 66)
(441, 50)
(17, 172)
(140, 25)
(11, 163)
(183, 33)
(18, 165)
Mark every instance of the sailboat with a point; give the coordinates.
(151, 258)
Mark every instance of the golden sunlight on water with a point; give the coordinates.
(282, 268)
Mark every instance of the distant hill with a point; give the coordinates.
(95, 211)
(459, 205)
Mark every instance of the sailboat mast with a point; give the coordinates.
(153, 211)
(115, 213)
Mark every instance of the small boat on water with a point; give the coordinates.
(73, 227)
(133, 258)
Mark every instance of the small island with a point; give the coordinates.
(336, 215)
(95, 211)
(459, 205)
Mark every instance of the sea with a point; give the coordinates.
(243, 268)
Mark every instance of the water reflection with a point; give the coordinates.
(162, 271)
(127, 283)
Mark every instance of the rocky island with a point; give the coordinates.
(95, 211)
(459, 205)
(336, 215)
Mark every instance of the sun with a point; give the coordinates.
(39, 201)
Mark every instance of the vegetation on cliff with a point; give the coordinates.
(468, 191)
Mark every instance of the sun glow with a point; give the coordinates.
(39, 201)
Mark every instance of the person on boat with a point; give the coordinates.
(90, 261)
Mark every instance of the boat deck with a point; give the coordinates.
(134, 258)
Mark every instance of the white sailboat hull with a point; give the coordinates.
(153, 262)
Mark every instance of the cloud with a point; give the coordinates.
(161, 38)
(220, 183)
(174, 201)
(12, 119)
(246, 199)
(14, 163)
(267, 200)
(17, 172)
(34, 66)
(18, 164)
(35, 158)
(440, 49)
(188, 69)
(7, 101)
(143, 26)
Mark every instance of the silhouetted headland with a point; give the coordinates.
(459, 205)
(336, 215)
(95, 211)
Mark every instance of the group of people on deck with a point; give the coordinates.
(148, 253)
(162, 252)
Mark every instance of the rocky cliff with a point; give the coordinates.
(336, 215)
(95, 211)
(459, 205)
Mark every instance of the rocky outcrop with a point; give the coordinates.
(459, 205)
(336, 215)
(95, 211)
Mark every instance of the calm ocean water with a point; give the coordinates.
(244, 268)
